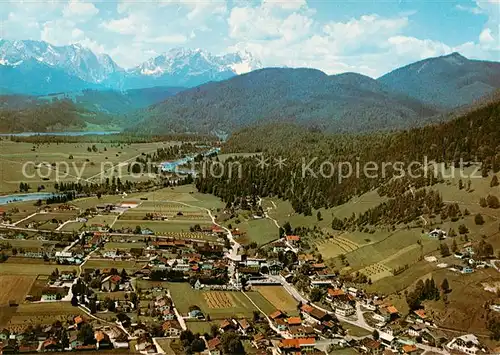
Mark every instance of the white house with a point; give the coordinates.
(437, 233)
(466, 343)
(344, 309)
(49, 297)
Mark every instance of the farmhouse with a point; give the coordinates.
(111, 283)
(214, 346)
(293, 239)
(344, 310)
(468, 344)
(49, 296)
(228, 325)
(299, 345)
(437, 233)
(300, 331)
(171, 328)
(279, 246)
(416, 330)
(102, 340)
(244, 326)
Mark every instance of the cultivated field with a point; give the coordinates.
(218, 299)
(335, 246)
(228, 304)
(40, 313)
(14, 288)
(278, 297)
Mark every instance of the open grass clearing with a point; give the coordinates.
(168, 345)
(34, 269)
(465, 310)
(124, 246)
(260, 231)
(28, 243)
(283, 212)
(72, 227)
(187, 194)
(354, 330)
(201, 327)
(117, 264)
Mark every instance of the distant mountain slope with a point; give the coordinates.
(31, 77)
(342, 103)
(448, 81)
(116, 102)
(51, 117)
(107, 101)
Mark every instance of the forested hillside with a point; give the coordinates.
(116, 102)
(474, 136)
(448, 81)
(108, 101)
(341, 103)
(51, 117)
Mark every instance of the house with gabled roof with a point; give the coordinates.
(244, 326)
(277, 315)
(214, 346)
(171, 328)
(294, 346)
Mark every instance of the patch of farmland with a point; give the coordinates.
(239, 306)
(376, 271)
(218, 299)
(335, 246)
(19, 268)
(41, 314)
(278, 297)
(161, 226)
(14, 288)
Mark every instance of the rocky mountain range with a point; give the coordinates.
(39, 68)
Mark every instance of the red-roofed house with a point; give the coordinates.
(214, 346)
(111, 283)
(293, 346)
(294, 321)
(334, 293)
(276, 315)
(293, 239)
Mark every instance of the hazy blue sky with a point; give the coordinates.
(371, 37)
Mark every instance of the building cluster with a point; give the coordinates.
(77, 334)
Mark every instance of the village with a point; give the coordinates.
(141, 290)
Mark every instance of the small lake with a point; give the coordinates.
(68, 134)
(35, 196)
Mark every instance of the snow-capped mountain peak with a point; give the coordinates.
(179, 67)
(196, 61)
(73, 59)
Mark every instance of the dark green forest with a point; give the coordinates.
(56, 116)
(472, 137)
